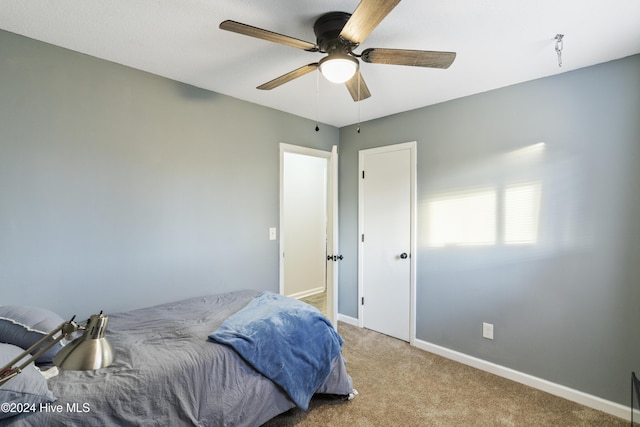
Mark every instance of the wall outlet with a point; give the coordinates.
(487, 330)
(272, 233)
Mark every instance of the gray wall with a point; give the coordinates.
(567, 308)
(121, 189)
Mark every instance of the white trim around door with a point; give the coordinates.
(332, 222)
(412, 147)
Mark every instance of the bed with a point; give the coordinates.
(179, 364)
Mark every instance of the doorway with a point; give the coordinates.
(308, 225)
(386, 264)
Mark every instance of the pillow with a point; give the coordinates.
(24, 326)
(26, 391)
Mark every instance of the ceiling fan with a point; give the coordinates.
(337, 34)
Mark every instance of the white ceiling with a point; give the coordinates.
(498, 42)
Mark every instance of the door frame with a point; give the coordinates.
(332, 221)
(412, 147)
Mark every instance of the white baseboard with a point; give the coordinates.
(348, 319)
(307, 293)
(580, 397)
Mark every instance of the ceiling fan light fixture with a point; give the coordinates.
(338, 67)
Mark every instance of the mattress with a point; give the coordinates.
(167, 372)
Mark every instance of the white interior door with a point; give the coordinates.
(332, 238)
(386, 265)
(308, 223)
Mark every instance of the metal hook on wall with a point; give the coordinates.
(559, 47)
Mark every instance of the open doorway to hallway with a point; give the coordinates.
(318, 300)
(308, 226)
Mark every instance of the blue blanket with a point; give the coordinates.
(286, 340)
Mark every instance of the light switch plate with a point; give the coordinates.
(272, 233)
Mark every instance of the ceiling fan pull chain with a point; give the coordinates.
(559, 47)
(317, 98)
(359, 100)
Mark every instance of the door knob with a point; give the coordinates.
(403, 255)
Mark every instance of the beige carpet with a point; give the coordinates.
(400, 385)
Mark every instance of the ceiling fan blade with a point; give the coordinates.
(357, 87)
(248, 30)
(291, 75)
(365, 18)
(415, 58)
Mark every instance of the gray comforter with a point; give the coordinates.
(166, 372)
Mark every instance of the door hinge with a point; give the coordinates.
(362, 237)
(362, 174)
(362, 301)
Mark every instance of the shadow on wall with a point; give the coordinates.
(522, 203)
(195, 93)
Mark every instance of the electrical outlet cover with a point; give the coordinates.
(487, 330)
